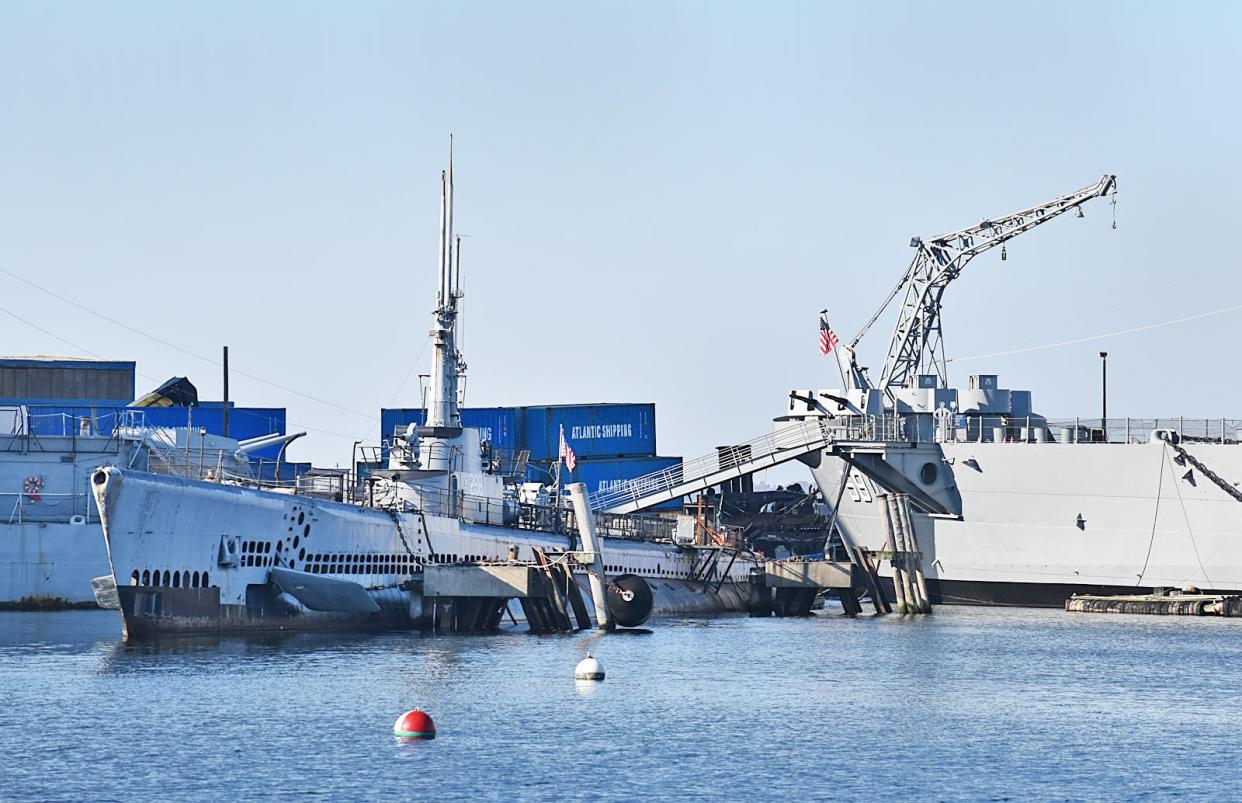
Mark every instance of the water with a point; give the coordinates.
(975, 704)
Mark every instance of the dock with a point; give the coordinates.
(474, 597)
(789, 587)
(1158, 604)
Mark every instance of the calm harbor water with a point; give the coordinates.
(976, 704)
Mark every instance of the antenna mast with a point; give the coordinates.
(447, 360)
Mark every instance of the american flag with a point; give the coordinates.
(567, 454)
(827, 338)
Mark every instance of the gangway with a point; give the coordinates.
(789, 441)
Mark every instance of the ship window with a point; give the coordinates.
(146, 577)
(306, 530)
(293, 564)
(301, 518)
(296, 540)
(194, 580)
(167, 578)
(928, 473)
(176, 579)
(133, 578)
(301, 553)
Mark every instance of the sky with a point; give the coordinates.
(658, 198)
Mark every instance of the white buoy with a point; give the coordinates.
(589, 668)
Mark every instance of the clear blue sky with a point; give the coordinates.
(659, 197)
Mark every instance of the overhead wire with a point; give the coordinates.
(148, 377)
(1164, 457)
(174, 346)
(1118, 333)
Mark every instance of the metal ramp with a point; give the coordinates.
(790, 442)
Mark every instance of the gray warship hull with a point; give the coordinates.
(1041, 521)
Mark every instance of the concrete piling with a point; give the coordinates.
(909, 584)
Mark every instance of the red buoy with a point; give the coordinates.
(414, 725)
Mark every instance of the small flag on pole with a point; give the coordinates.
(827, 338)
(567, 454)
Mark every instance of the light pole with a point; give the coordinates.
(1104, 393)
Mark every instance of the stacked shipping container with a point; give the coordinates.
(612, 442)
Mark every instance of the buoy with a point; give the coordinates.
(589, 668)
(414, 725)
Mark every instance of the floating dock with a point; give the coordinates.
(1158, 604)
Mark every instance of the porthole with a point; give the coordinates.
(301, 518)
(297, 539)
(306, 530)
(301, 553)
(928, 473)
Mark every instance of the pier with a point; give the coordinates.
(790, 587)
(474, 597)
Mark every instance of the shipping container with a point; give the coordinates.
(602, 474)
(592, 430)
(500, 426)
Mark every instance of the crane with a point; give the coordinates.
(917, 344)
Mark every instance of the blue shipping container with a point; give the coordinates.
(498, 425)
(601, 474)
(592, 430)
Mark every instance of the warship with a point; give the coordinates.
(1010, 506)
(223, 552)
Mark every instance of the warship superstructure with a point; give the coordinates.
(225, 553)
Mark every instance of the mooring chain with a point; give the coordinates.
(396, 519)
(1207, 472)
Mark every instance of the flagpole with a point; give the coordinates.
(836, 350)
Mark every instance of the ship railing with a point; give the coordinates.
(1036, 429)
(48, 507)
(789, 439)
(527, 516)
(1139, 430)
(51, 429)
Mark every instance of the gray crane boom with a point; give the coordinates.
(917, 343)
